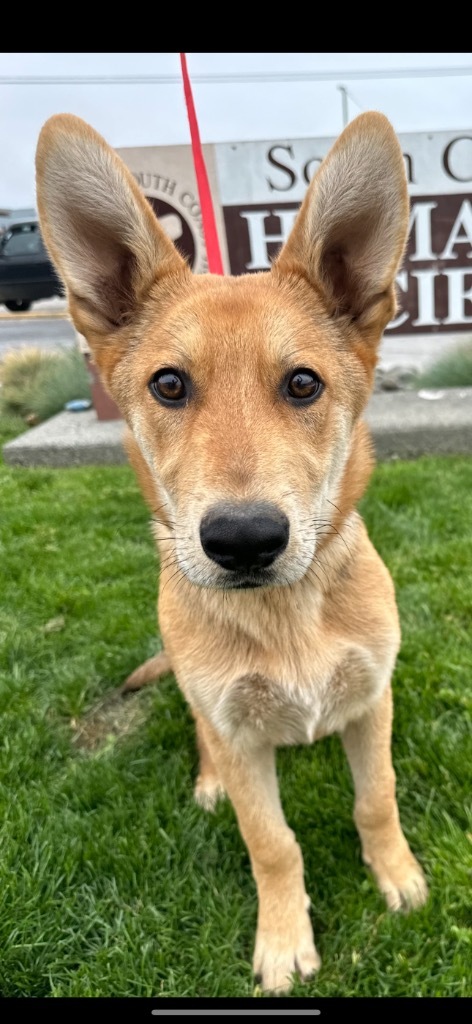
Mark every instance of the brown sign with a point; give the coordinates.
(435, 285)
(177, 227)
(257, 188)
(254, 234)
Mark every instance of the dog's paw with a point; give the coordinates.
(208, 790)
(401, 881)
(277, 957)
(406, 889)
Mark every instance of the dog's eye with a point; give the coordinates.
(169, 387)
(303, 386)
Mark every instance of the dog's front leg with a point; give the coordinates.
(284, 940)
(384, 848)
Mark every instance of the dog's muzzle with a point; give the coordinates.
(244, 538)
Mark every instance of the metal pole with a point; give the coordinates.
(345, 109)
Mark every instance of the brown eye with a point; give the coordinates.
(303, 386)
(169, 387)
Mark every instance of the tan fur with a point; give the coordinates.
(313, 651)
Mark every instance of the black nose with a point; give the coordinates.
(246, 537)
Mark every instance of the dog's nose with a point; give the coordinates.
(239, 537)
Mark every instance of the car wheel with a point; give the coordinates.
(18, 305)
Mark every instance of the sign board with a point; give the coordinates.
(257, 188)
(167, 178)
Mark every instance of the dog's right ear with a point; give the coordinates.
(101, 232)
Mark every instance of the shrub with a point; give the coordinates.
(36, 384)
(453, 370)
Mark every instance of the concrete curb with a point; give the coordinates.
(407, 424)
(69, 439)
(404, 425)
(52, 315)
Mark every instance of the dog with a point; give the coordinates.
(243, 397)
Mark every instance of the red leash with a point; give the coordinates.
(215, 263)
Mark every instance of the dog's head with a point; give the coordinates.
(244, 393)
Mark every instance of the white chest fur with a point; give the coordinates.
(290, 665)
(284, 712)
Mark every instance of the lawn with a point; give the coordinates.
(113, 882)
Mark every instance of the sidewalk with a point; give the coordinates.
(49, 309)
(404, 424)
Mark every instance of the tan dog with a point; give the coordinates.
(243, 397)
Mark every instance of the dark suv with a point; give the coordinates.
(26, 272)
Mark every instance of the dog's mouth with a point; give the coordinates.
(245, 546)
(245, 580)
(247, 577)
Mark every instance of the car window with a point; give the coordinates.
(25, 242)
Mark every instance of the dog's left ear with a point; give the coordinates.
(350, 233)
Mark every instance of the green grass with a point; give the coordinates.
(453, 370)
(112, 881)
(10, 426)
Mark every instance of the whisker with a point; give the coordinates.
(317, 560)
(339, 534)
(170, 540)
(312, 572)
(334, 506)
(170, 578)
(167, 565)
(158, 507)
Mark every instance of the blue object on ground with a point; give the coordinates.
(78, 405)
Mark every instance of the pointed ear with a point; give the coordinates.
(350, 233)
(100, 230)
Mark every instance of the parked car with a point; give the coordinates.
(26, 272)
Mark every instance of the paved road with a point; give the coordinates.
(35, 328)
(44, 333)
